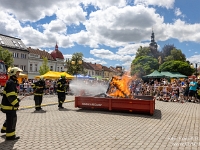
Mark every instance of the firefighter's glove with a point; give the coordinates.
(18, 100)
(17, 104)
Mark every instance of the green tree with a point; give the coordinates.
(75, 65)
(166, 50)
(143, 51)
(44, 68)
(176, 54)
(144, 65)
(177, 66)
(6, 56)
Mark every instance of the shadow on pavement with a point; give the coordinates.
(157, 113)
(64, 109)
(43, 111)
(7, 145)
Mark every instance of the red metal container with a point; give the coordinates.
(140, 104)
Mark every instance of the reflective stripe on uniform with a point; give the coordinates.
(4, 92)
(10, 134)
(8, 107)
(14, 102)
(11, 94)
(61, 101)
(60, 91)
(37, 94)
(3, 128)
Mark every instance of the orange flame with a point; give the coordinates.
(119, 86)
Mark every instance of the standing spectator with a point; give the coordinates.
(186, 88)
(192, 90)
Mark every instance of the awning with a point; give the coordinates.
(173, 74)
(55, 75)
(155, 74)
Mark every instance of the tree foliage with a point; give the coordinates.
(177, 66)
(6, 56)
(75, 64)
(175, 54)
(168, 59)
(143, 51)
(166, 50)
(144, 65)
(44, 68)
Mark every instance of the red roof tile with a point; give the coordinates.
(42, 53)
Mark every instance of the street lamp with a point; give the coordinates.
(77, 62)
(196, 71)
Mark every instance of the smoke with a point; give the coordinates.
(90, 87)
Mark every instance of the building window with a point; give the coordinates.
(23, 67)
(31, 67)
(58, 69)
(36, 67)
(51, 68)
(16, 65)
(61, 69)
(23, 56)
(15, 55)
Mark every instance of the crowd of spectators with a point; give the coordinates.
(187, 90)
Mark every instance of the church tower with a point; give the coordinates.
(153, 45)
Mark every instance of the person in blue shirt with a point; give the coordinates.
(192, 89)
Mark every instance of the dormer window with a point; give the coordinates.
(1, 41)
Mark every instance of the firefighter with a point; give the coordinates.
(10, 104)
(61, 89)
(38, 89)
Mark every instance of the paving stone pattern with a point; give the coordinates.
(173, 126)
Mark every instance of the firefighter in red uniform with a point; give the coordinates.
(61, 89)
(38, 88)
(10, 104)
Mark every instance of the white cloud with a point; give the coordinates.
(177, 12)
(194, 59)
(72, 14)
(56, 26)
(103, 4)
(162, 3)
(183, 31)
(107, 54)
(131, 49)
(93, 61)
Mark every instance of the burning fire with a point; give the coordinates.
(119, 87)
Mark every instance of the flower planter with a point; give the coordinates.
(140, 104)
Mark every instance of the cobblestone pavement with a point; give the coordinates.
(173, 126)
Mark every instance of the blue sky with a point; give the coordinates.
(108, 32)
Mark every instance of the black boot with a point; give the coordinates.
(12, 138)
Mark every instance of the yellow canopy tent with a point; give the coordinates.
(54, 75)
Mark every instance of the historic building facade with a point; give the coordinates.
(18, 49)
(55, 61)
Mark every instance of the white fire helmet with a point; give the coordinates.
(14, 70)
